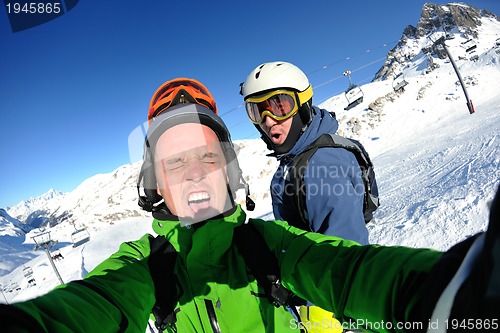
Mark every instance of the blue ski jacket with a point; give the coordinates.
(333, 185)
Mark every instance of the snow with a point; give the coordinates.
(437, 168)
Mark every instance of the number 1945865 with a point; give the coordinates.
(33, 8)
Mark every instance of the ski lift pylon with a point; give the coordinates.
(79, 237)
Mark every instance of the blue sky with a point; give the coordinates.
(74, 88)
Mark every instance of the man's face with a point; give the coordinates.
(190, 170)
(276, 130)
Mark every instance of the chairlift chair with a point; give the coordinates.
(354, 96)
(27, 271)
(399, 82)
(471, 49)
(469, 46)
(15, 286)
(79, 237)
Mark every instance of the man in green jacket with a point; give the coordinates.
(191, 160)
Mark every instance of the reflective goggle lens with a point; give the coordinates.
(278, 105)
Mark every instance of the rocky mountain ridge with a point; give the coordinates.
(452, 20)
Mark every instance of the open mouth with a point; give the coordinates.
(276, 138)
(198, 201)
(274, 135)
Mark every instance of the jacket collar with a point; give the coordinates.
(322, 122)
(219, 227)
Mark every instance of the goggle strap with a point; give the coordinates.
(305, 95)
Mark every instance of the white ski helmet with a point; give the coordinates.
(274, 75)
(277, 75)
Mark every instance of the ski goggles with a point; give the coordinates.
(278, 104)
(180, 91)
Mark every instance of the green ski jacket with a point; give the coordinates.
(219, 293)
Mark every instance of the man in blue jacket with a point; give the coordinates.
(278, 101)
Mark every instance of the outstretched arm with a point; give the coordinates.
(367, 284)
(117, 296)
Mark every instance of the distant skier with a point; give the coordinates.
(57, 256)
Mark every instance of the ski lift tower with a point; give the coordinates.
(43, 240)
(469, 102)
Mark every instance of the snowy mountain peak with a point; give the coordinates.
(25, 208)
(455, 21)
(34, 201)
(103, 198)
(450, 16)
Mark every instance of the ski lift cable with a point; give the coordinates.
(231, 110)
(315, 86)
(329, 81)
(352, 71)
(235, 108)
(238, 123)
(366, 79)
(352, 56)
(324, 67)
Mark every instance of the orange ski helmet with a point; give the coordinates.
(180, 90)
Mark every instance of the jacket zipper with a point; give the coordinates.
(211, 316)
